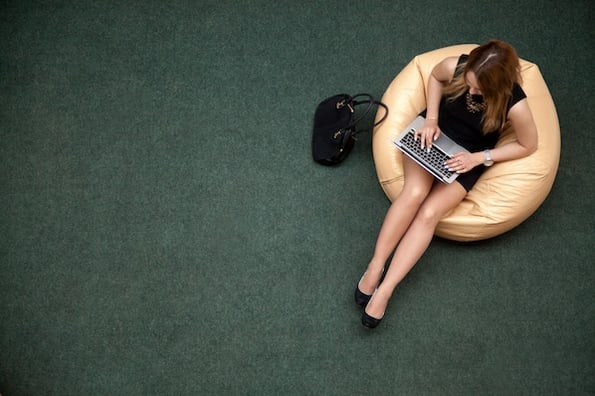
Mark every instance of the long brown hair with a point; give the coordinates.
(496, 67)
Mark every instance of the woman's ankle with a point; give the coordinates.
(370, 279)
(377, 304)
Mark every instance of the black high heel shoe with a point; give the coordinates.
(370, 321)
(361, 298)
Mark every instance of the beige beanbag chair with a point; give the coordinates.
(508, 192)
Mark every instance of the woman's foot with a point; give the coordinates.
(363, 297)
(374, 311)
(369, 321)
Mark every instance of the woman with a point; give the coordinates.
(470, 98)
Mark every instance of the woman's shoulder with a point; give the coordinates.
(518, 94)
(461, 60)
(445, 69)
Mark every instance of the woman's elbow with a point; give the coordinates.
(530, 147)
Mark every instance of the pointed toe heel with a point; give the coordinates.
(369, 321)
(361, 298)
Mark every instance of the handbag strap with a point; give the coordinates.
(370, 101)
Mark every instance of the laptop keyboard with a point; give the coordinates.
(435, 157)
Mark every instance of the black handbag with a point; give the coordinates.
(335, 124)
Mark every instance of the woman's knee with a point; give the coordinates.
(428, 216)
(442, 200)
(414, 193)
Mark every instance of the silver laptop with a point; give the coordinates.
(442, 149)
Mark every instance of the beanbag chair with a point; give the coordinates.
(508, 192)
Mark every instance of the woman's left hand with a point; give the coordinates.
(462, 162)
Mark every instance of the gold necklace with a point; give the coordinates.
(472, 105)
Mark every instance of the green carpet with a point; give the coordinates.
(164, 230)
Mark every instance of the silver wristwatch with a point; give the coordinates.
(488, 160)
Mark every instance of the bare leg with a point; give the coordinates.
(417, 185)
(414, 243)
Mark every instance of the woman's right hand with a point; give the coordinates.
(428, 133)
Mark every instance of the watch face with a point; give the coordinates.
(488, 158)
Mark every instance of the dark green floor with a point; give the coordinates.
(163, 229)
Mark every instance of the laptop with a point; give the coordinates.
(442, 149)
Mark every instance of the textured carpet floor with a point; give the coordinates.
(163, 229)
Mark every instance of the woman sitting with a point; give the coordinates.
(471, 98)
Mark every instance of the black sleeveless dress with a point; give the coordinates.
(464, 126)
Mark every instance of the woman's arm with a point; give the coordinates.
(441, 75)
(525, 130)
